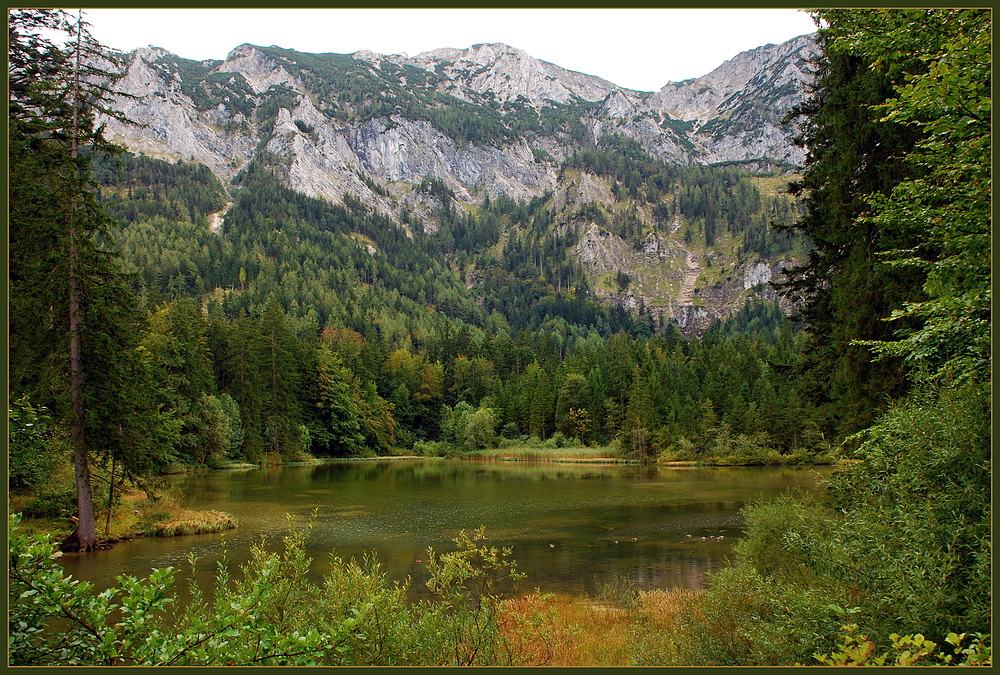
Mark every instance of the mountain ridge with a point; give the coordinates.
(488, 121)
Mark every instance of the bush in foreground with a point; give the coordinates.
(271, 614)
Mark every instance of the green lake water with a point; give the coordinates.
(572, 527)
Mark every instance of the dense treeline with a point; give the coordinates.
(245, 387)
(311, 343)
(329, 263)
(531, 278)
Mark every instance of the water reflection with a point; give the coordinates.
(572, 527)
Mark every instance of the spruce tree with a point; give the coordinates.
(844, 290)
(73, 324)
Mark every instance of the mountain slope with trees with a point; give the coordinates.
(492, 123)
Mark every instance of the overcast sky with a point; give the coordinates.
(635, 48)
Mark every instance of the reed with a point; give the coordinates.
(581, 454)
(164, 516)
(184, 522)
(562, 630)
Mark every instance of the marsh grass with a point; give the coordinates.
(562, 630)
(193, 522)
(604, 455)
(164, 516)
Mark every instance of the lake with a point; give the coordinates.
(572, 527)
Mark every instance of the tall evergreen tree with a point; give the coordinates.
(73, 324)
(944, 201)
(278, 353)
(845, 291)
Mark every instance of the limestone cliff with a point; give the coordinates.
(489, 120)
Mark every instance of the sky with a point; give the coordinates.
(640, 49)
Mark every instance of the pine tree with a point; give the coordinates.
(73, 323)
(278, 353)
(944, 203)
(844, 291)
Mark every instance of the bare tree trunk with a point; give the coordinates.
(111, 498)
(85, 537)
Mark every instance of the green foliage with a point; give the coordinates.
(480, 429)
(269, 614)
(30, 451)
(844, 293)
(74, 323)
(749, 619)
(206, 88)
(713, 199)
(474, 571)
(917, 528)
(905, 537)
(137, 188)
(897, 214)
(946, 199)
(446, 361)
(907, 650)
(470, 580)
(248, 622)
(51, 502)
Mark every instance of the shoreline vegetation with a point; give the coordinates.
(160, 513)
(137, 514)
(470, 623)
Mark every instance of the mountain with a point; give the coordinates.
(489, 122)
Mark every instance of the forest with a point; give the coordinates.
(142, 342)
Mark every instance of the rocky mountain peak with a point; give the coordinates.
(151, 53)
(617, 105)
(260, 70)
(508, 73)
(488, 120)
(699, 99)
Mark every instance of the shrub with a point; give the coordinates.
(60, 504)
(29, 445)
(858, 650)
(271, 614)
(916, 526)
(431, 448)
(480, 429)
(749, 619)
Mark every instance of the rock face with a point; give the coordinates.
(489, 120)
(169, 126)
(220, 113)
(259, 70)
(736, 109)
(506, 73)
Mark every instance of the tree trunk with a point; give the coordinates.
(111, 498)
(85, 537)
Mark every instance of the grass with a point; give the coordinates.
(562, 630)
(184, 521)
(164, 516)
(771, 186)
(135, 514)
(581, 454)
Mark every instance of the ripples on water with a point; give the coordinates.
(562, 521)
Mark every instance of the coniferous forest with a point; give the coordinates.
(145, 338)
